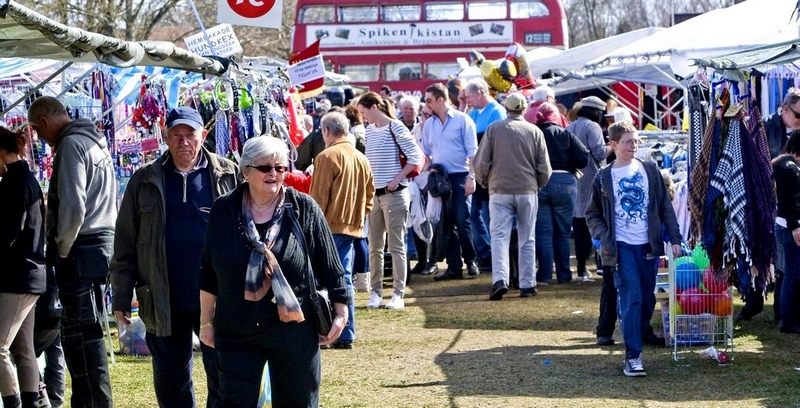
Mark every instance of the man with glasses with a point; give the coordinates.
(161, 230)
(449, 139)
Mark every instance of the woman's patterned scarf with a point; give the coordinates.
(262, 262)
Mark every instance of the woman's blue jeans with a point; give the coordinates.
(553, 225)
(790, 288)
(635, 279)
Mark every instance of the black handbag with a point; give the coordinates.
(323, 312)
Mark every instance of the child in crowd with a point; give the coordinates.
(628, 206)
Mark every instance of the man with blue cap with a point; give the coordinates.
(160, 232)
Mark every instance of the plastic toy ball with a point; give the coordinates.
(691, 301)
(675, 309)
(723, 358)
(687, 276)
(722, 305)
(713, 282)
(700, 257)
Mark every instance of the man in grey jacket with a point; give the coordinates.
(161, 230)
(81, 212)
(512, 163)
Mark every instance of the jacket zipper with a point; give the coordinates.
(184, 186)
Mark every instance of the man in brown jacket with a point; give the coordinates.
(512, 163)
(342, 186)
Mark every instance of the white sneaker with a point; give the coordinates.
(396, 303)
(587, 277)
(362, 282)
(375, 301)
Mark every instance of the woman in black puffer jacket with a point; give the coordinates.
(557, 199)
(22, 279)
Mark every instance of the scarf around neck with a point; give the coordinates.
(262, 261)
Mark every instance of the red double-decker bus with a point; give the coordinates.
(408, 45)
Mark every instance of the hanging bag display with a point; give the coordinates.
(403, 158)
(319, 296)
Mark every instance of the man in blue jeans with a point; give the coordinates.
(342, 186)
(485, 111)
(449, 138)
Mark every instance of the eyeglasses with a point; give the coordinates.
(630, 142)
(796, 113)
(266, 168)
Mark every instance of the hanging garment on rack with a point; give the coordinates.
(761, 195)
(700, 175)
(223, 138)
(727, 183)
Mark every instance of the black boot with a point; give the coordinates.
(30, 399)
(12, 401)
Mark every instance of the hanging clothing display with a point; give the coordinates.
(730, 194)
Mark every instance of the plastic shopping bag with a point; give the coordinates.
(433, 211)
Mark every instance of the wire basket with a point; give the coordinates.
(699, 314)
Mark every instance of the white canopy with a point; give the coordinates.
(657, 59)
(575, 58)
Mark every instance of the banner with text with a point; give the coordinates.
(258, 13)
(413, 34)
(222, 38)
(307, 70)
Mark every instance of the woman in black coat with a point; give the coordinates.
(786, 171)
(22, 277)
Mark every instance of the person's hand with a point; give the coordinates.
(393, 184)
(462, 98)
(339, 322)
(796, 236)
(123, 317)
(207, 334)
(676, 250)
(469, 186)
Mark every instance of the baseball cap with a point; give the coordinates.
(184, 115)
(515, 102)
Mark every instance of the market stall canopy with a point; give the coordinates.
(26, 33)
(762, 57)
(575, 58)
(663, 56)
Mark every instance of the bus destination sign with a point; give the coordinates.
(413, 34)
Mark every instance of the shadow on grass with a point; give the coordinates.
(554, 372)
(573, 367)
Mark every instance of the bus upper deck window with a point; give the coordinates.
(316, 14)
(358, 14)
(486, 10)
(404, 12)
(528, 9)
(444, 11)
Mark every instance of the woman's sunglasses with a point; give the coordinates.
(266, 168)
(796, 113)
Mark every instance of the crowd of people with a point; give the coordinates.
(218, 249)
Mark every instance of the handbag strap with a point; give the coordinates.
(298, 233)
(394, 138)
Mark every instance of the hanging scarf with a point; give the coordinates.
(262, 262)
(223, 139)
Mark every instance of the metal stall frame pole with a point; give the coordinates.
(36, 88)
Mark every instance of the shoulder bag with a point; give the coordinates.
(323, 312)
(403, 159)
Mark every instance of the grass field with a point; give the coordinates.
(451, 347)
